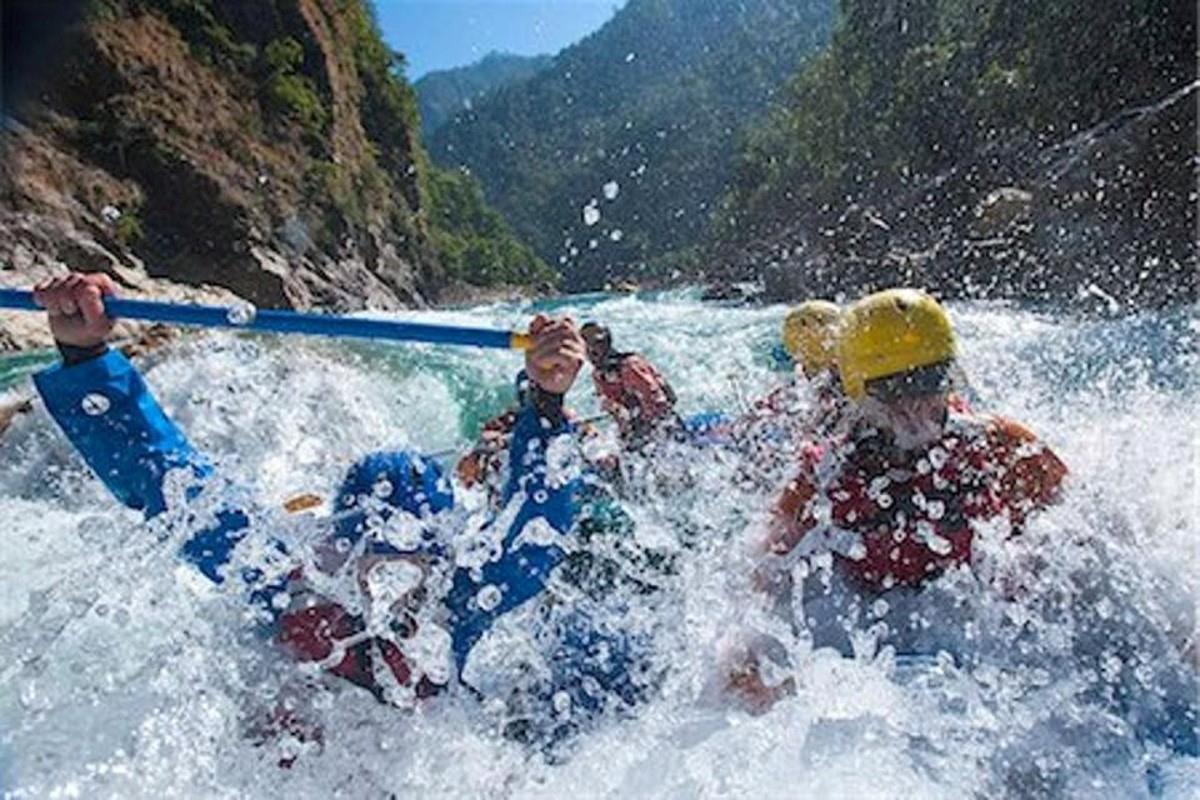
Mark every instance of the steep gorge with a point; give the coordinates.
(619, 151)
(268, 147)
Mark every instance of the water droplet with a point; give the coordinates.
(562, 703)
(95, 404)
(928, 535)
(489, 597)
(611, 190)
(383, 488)
(241, 314)
(939, 545)
(540, 496)
(30, 697)
(342, 545)
(591, 214)
(617, 235)
(629, 57)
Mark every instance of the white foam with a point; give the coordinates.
(145, 688)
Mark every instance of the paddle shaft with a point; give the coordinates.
(274, 321)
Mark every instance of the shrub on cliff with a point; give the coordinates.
(476, 245)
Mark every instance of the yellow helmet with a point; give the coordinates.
(810, 334)
(891, 333)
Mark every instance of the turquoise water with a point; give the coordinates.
(13, 369)
(145, 679)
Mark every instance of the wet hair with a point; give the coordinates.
(596, 326)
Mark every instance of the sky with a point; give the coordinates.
(438, 34)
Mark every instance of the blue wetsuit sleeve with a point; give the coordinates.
(523, 566)
(108, 413)
(545, 493)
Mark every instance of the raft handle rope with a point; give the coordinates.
(247, 317)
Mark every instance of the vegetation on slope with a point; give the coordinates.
(618, 152)
(268, 146)
(444, 93)
(910, 88)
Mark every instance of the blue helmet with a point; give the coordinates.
(416, 486)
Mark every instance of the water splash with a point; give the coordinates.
(125, 676)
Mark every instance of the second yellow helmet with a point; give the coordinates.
(890, 333)
(810, 333)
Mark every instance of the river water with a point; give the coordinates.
(121, 675)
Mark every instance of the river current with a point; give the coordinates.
(123, 675)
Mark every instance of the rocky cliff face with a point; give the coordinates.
(254, 145)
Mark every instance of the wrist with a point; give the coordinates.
(548, 405)
(73, 354)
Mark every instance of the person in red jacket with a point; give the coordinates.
(898, 497)
(631, 390)
(485, 465)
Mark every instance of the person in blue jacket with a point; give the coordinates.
(502, 580)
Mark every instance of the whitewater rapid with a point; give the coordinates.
(122, 675)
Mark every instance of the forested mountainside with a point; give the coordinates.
(270, 147)
(442, 94)
(989, 147)
(619, 151)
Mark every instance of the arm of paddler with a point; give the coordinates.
(645, 382)
(545, 491)
(791, 518)
(1031, 475)
(105, 409)
(539, 496)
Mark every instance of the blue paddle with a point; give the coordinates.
(246, 317)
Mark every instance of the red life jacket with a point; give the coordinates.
(912, 511)
(634, 391)
(486, 460)
(312, 633)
